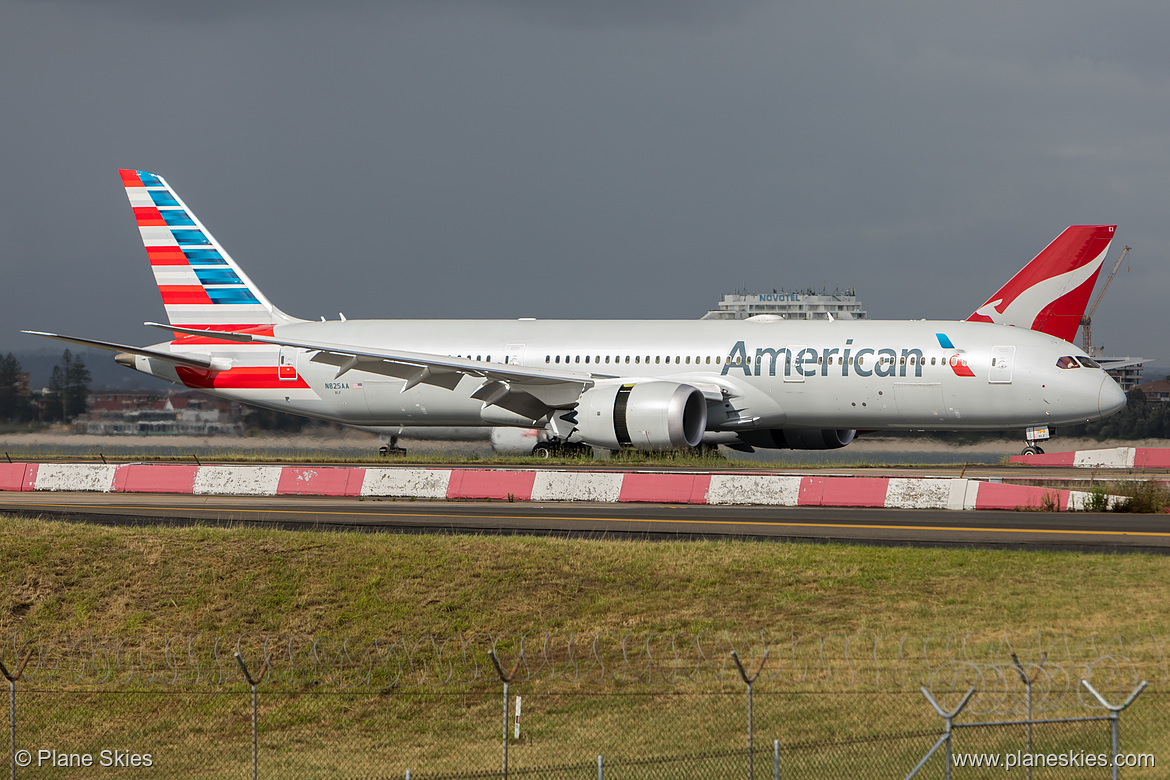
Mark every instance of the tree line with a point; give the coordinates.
(1140, 419)
(65, 398)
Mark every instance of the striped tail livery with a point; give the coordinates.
(201, 286)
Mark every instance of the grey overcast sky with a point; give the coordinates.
(582, 158)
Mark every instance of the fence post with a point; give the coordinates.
(505, 679)
(253, 683)
(600, 773)
(12, 678)
(949, 717)
(749, 681)
(1115, 718)
(775, 759)
(1028, 697)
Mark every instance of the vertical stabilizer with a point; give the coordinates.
(1050, 293)
(201, 286)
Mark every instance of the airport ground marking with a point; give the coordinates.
(624, 520)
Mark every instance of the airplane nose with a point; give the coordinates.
(1111, 398)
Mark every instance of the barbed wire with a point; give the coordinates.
(944, 664)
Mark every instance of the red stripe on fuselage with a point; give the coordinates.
(255, 330)
(245, 378)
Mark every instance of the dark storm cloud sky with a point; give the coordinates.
(515, 158)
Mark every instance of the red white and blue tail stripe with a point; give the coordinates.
(200, 284)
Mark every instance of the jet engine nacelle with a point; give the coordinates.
(644, 415)
(798, 438)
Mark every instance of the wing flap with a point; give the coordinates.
(554, 388)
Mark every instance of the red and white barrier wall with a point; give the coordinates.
(1116, 458)
(536, 485)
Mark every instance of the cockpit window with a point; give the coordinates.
(1088, 362)
(1068, 361)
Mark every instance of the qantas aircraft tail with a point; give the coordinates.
(1050, 293)
(200, 284)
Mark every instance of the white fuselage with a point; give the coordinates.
(846, 374)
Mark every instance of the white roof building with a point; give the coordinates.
(797, 305)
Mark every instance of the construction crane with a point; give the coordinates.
(1087, 320)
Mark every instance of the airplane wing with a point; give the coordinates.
(193, 361)
(508, 386)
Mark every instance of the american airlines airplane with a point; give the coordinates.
(763, 382)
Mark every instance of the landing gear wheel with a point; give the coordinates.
(387, 450)
(1031, 450)
(542, 451)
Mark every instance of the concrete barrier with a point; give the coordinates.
(155, 478)
(1107, 458)
(84, 477)
(320, 481)
(546, 485)
(491, 483)
(406, 483)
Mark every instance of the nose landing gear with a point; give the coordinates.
(1031, 436)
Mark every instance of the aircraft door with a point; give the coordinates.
(514, 355)
(286, 364)
(1002, 360)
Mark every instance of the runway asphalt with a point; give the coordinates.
(1099, 532)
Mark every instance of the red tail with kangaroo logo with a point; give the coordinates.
(1050, 293)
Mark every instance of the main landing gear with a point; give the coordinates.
(1032, 449)
(390, 447)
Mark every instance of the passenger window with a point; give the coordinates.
(586, 358)
(657, 358)
(627, 358)
(558, 358)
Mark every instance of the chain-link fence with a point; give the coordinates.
(626, 707)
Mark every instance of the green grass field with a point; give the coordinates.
(62, 578)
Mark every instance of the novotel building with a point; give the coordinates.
(789, 305)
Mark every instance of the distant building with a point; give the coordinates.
(150, 413)
(1127, 371)
(797, 305)
(1158, 390)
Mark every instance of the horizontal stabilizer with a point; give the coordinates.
(182, 360)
